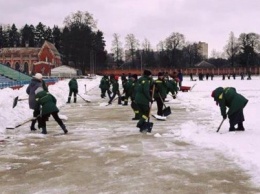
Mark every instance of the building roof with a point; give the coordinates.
(17, 51)
(204, 64)
(51, 47)
(64, 70)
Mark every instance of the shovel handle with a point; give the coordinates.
(220, 125)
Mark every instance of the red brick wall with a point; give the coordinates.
(185, 71)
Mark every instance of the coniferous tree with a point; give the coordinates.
(48, 35)
(57, 35)
(80, 40)
(27, 36)
(13, 37)
(39, 35)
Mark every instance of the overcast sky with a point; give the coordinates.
(208, 21)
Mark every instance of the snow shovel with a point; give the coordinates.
(167, 110)
(119, 97)
(19, 125)
(148, 126)
(192, 87)
(83, 98)
(220, 125)
(16, 99)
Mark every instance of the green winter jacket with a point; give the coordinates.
(133, 90)
(47, 102)
(73, 84)
(104, 83)
(172, 86)
(228, 97)
(142, 93)
(128, 89)
(160, 89)
(115, 86)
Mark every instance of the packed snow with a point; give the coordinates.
(243, 147)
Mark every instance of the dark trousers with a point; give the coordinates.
(113, 96)
(36, 115)
(56, 117)
(159, 106)
(236, 118)
(144, 111)
(180, 84)
(104, 91)
(74, 94)
(135, 108)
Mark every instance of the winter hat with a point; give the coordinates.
(147, 72)
(160, 74)
(212, 94)
(39, 89)
(216, 93)
(134, 76)
(177, 79)
(116, 77)
(38, 76)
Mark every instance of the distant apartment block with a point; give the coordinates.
(203, 49)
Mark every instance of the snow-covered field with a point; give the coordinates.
(243, 147)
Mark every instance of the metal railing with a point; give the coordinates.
(18, 84)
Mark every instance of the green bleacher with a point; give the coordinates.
(13, 74)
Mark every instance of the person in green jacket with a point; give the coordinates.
(47, 102)
(143, 98)
(104, 86)
(172, 85)
(36, 82)
(228, 97)
(127, 88)
(160, 93)
(115, 89)
(131, 89)
(73, 86)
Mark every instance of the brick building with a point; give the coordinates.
(31, 60)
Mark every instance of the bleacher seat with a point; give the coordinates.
(13, 74)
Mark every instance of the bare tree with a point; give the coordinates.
(232, 48)
(132, 45)
(81, 18)
(192, 53)
(216, 54)
(117, 49)
(173, 43)
(160, 46)
(146, 45)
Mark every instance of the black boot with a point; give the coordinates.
(69, 99)
(240, 127)
(64, 128)
(75, 100)
(232, 128)
(125, 103)
(32, 125)
(44, 130)
(119, 100)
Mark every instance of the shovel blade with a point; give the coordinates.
(15, 101)
(147, 127)
(167, 111)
